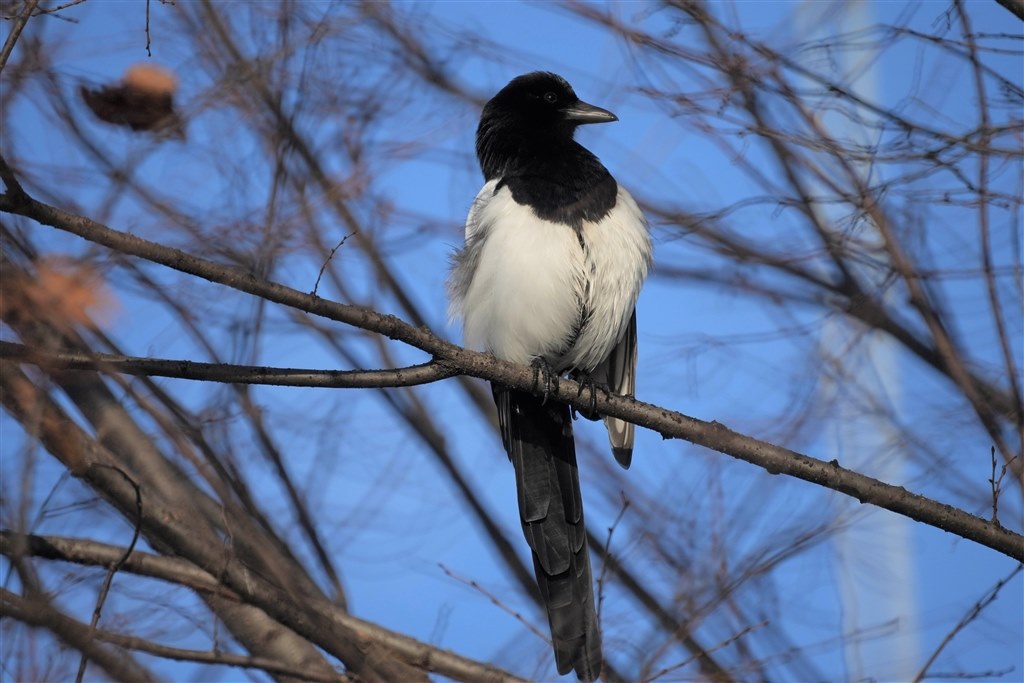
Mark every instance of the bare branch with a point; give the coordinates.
(984, 601)
(108, 579)
(19, 26)
(984, 230)
(725, 643)
(669, 424)
(177, 570)
(223, 372)
(19, 608)
(37, 612)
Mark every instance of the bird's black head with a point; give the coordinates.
(534, 113)
(545, 100)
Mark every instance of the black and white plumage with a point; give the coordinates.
(555, 255)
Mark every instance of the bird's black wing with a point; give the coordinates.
(620, 375)
(538, 438)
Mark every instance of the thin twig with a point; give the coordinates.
(725, 643)
(114, 567)
(59, 8)
(991, 674)
(607, 549)
(319, 275)
(987, 599)
(149, 53)
(496, 602)
(997, 485)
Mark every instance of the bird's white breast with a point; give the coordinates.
(521, 297)
(521, 302)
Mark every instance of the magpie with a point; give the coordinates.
(554, 258)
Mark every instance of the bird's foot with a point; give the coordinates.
(587, 382)
(544, 375)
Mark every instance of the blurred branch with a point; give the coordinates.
(855, 190)
(180, 518)
(985, 236)
(710, 669)
(36, 611)
(415, 52)
(180, 571)
(19, 26)
(20, 608)
(725, 643)
(93, 553)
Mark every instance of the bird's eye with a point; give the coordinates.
(550, 97)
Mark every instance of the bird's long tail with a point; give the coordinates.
(538, 439)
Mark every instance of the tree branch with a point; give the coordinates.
(984, 601)
(182, 572)
(19, 608)
(670, 424)
(12, 37)
(227, 373)
(37, 612)
(175, 522)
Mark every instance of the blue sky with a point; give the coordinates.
(704, 351)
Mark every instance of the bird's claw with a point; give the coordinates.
(542, 367)
(586, 381)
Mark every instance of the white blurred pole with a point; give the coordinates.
(874, 559)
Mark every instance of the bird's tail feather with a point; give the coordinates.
(538, 439)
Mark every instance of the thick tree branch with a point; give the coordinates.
(670, 424)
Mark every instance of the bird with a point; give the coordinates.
(555, 254)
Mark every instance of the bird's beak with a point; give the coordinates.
(581, 112)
